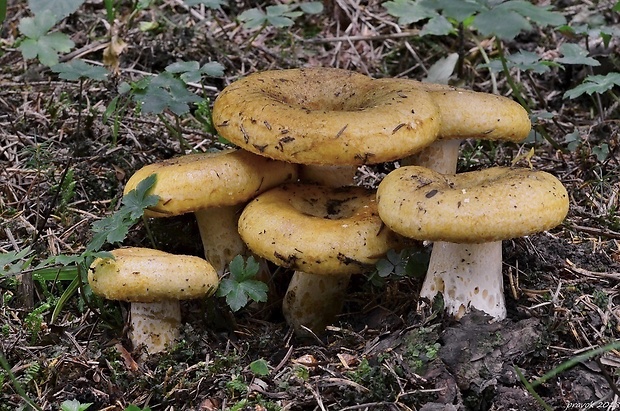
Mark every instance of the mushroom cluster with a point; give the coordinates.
(329, 121)
(287, 195)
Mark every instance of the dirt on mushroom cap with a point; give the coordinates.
(475, 207)
(326, 116)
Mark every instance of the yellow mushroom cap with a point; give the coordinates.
(145, 275)
(205, 180)
(326, 116)
(316, 229)
(474, 207)
(470, 114)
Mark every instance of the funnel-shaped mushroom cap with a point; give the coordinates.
(471, 114)
(316, 229)
(146, 275)
(475, 207)
(199, 181)
(326, 116)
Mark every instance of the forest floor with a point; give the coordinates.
(387, 351)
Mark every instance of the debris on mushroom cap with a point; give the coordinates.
(198, 181)
(470, 114)
(475, 207)
(145, 275)
(316, 229)
(326, 116)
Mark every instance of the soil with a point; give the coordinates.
(388, 350)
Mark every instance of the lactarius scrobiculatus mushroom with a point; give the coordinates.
(327, 233)
(153, 282)
(213, 186)
(468, 114)
(467, 216)
(327, 120)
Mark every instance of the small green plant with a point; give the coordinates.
(34, 320)
(14, 262)
(240, 286)
(39, 43)
(405, 263)
(280, 16)
(79, 70)
(236, 385)
(168, 90)
(259, 367)
(74, 405)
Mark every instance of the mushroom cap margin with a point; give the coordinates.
(493, 204)
(203, 180)
(326, 116)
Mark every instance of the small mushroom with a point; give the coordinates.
(327, 234)
(153, 282)
(214, 186)
(468, 215)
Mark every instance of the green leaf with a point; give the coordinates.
(39, 44)
(540, 15)
(408, 11)
(595, 84)
(252, 18)
(113, 229)
(312, 7)
(260, 367)
(79, 69)
(182, 67)
(522, 60)
(210, 4)
(191, 72)
(164, 91)
(240, 285)
(74, 405)
(502, 22)
(507, 19)
(3, 7)
(601, 152)
(36, 27)
(575, 54)
(135, 201)
(57, 8)
(213, 69)
(437, 26)
(13, 262)
(457, 10)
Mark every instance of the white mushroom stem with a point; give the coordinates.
(220, 238)
(441, 156)
(468, 276)
(154, 325)
(313, 301)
